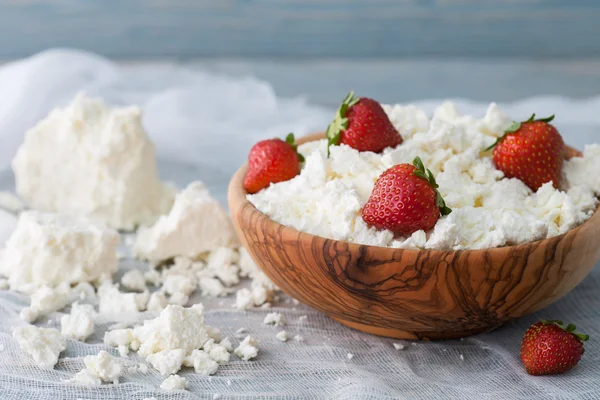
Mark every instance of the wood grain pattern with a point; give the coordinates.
(301, 28)
(415, 294)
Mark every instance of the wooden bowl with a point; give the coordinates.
(414, 294)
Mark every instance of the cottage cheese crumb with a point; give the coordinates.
(226, 343)
(174, 382)
(157, 302)
(248, 349)
(113, 301)
(398, 346)
(134, 280)
(46, 300)
(171, 340)
(79, 324)
(282, 336)
(167, 362)
(68, 164)
(350, 356)
(275, 319)
(196, 224)
(202, 363)
(42, 344)
(104, 366)
(489, 210)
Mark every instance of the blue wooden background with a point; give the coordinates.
(304, 28)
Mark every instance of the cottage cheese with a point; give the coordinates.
(489, 210)
(157, 302)
(100, 368)
(49, 249)
(173, 339)
(46, 300)
(95, 161)
(196, 224)
(43, 345)
(202, 363)
(275, 319)
(79, 324)
(248, 349)
(174, 382)
(282, 336)
(113, 301)
(134, 280)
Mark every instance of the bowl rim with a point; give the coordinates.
(237, 200)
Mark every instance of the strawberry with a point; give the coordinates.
(404, 200)
(362, 124)
(532, 151)
(550, 348)
(272, 161)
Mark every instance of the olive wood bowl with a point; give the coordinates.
(414, 294)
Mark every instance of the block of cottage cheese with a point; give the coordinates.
(196, 224)
(49, 249)
(91, 160)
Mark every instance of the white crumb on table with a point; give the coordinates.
(275, 319)
(282, 336)
(174, 382)
(248, 349)
(399, 346)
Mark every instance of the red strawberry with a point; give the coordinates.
(549, 348)
(362, 124)
(532, 151)
(404, 200)
(272, 161)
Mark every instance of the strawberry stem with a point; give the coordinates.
(289, 139)
(426, 174)
(340, 122)
(515, 126)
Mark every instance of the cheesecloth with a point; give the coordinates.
(192, 117)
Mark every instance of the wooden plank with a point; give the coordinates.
(303, 28)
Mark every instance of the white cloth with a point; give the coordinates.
(203, 126)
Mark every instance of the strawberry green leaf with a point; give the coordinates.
(569, 328)
(426, 174)
(420, 174)
(583, 337)
(419, 164)
(515, 126)
(340, 122)
(289, 139)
